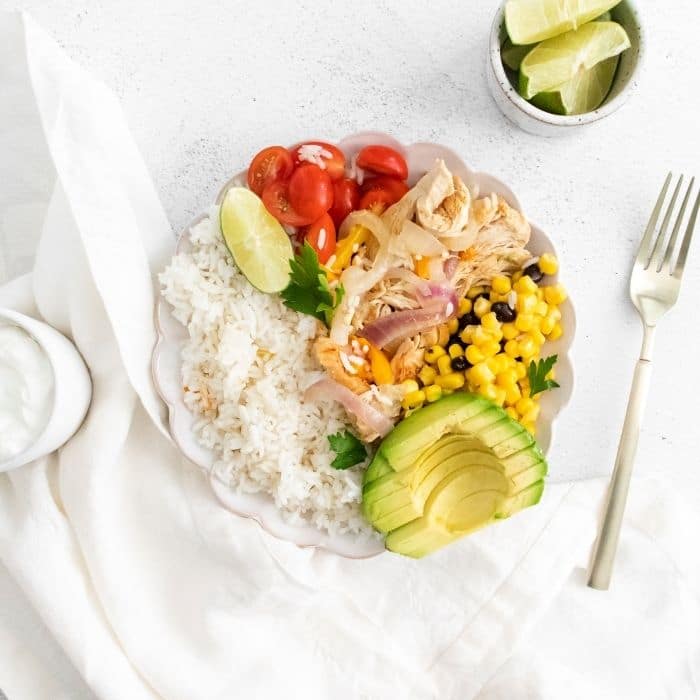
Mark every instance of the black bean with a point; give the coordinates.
(503, 312)
(454, 338)
(460, 363)
(470, 319)
(482, 295)
(534, 273)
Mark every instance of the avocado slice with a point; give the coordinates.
(449, 469)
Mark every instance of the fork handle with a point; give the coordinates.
(606, 546)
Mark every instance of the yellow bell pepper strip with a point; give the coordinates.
(381, 367)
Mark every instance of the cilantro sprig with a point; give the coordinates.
(537, 375)
(348, 449)
(308, 291)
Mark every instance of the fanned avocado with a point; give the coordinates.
(452, 467)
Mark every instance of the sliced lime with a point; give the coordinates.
(583, 93)
(605, 17)
(529, 21)
(557, 61)
(513, 54)
(260, 246)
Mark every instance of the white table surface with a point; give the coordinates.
(206, 84)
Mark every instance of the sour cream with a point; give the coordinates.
(26, 390)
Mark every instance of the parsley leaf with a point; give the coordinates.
(348, 449)
(537, 373)
(308, 291)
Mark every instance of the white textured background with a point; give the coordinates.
(206, 84)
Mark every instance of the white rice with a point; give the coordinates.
(245, 367)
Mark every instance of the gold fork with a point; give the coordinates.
(654, 287)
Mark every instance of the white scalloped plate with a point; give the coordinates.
(260, 507)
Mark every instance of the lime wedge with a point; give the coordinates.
(605, 17)
(260, 246)
(512, 54)
(556, 61)
(583, 93)
(529, 21)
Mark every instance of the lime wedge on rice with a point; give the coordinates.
(583, 93)
(558, 60)
(259, 245)
(529, 21)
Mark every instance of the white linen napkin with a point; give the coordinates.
(155, 591)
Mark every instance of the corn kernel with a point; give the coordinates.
(540, 294)
(516, 276)
(453, 380)
(500, 284)
(526, 303)
(481, 306)
(541, 308)
(554, 313)
(447, 392)
(521, 370)
(409, 385)
(490, 348)
(548, 264)
(524, 322)
(525, 285)
(443, 335)
(455, 350)
(413, 399)
(538, 337)
(475, 291)
(506, 378)
(444, 365)
(555, 295)
(509, 331)
(490, 322)
(427, 375)
(453, 326)
(493, 297)
(512, 348)
(433, 393)
(496, 335)
(480, 336)
(525, 405)
(432, 354)
(532, 415)
(467, 334)
(527, 346)
(547, 325)
(557, 332)
(530, 427)
(512, 412)
(513, 394)
(474, 355)
(489, 391)
(503, 362)
(500, 397)
(465, 306)
(480, 374)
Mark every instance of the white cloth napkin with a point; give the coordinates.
(154, 591)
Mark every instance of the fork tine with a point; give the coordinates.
(685, 246)
(676, 229)
(643, 254)
(658, 249)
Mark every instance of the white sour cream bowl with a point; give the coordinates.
(46, 389)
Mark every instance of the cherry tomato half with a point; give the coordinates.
(275, 197)
(383, 160)
(376, 201)
(332, 157)
(271, 164)
(392, 185)
(310, 191)
(346, 198)
(321, 237)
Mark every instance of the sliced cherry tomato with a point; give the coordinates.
(395, 187)
(383, 160)
(271, 164)
(275, 197)
(376, 201)
(346, 198)
(310, 191)
(321, 237)
(327, 156)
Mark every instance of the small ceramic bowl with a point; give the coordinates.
(541, 123)
(72, 388)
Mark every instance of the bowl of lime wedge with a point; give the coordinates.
(555, 65)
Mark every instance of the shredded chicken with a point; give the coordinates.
(444, 208)
(328, 354)
(408, 359)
